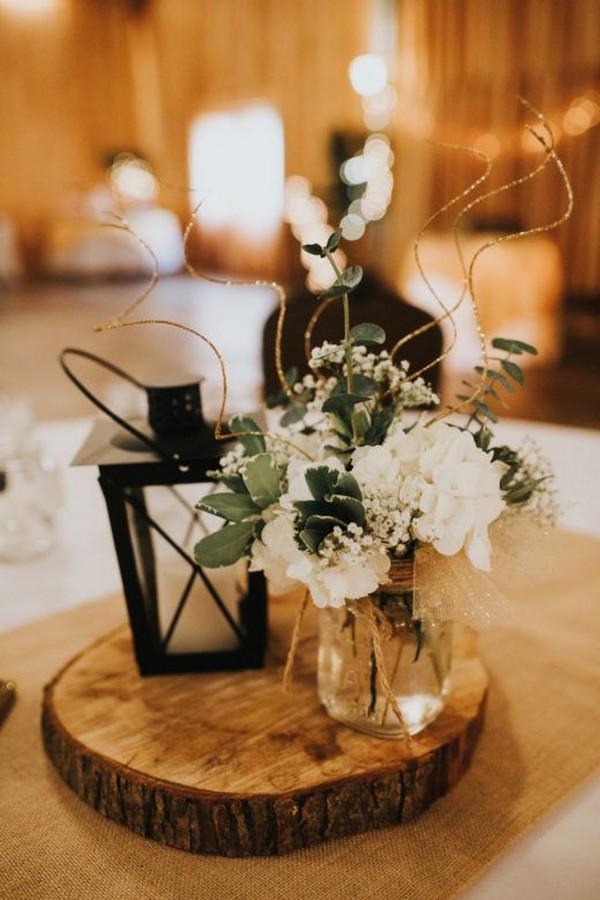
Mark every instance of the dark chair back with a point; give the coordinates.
(370, 302)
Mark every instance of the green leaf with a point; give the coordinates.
(295, 413)
(522, 491)
(513, 346)
(352, 277)
(497, 376)
(367, 333)
(233, 482)
(224, 547)
(291, 376)
(334, 241)
(336, 290)
(363, 387)
(308, 508)
(508, 477)
(233, 507)
(340, 403)
(485, 410)
(380, 423)
(311, 539)
(348, 509)
(313, 249)
(252, 443)
(262, 478)
(321, 481)
(280, 398)
(324, 524)
(512, 369)
(347, 485)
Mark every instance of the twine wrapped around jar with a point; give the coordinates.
(380, 670)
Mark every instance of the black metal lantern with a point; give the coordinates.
(183, 618)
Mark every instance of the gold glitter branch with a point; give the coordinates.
(547, 143)
(275, 286)
(123, 320)
(448, 313)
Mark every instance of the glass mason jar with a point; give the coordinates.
(29, 487)
(416, 657)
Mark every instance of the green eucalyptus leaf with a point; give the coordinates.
(352, 277)
(363, 386)
(336, 290)
(380, 422)
(230, 506)
(224, 547)
(513, 370)
(340, 403)
(295, 413)
(262, 478)
(278, 399)
(334, 241)
(233, 482)
(313, 249)
(527, 348)
(508, 476)
(485, 410)
(523, 490)
(252, 443)
(514, 346)
(367, 333)
(497, 376)
(291, 376)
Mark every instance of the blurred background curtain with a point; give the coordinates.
(460, 67)
(81, 79)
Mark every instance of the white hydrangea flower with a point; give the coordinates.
(276, 551)
(350, 577)
(459, 487)
(376, 468)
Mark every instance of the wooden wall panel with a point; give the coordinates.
(65, 101)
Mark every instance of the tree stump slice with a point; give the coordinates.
(227, 763)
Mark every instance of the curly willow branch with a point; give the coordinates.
(448, 313)
(274, 285)
(122, 321)
(547, 143)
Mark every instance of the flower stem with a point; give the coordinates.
(347, 342)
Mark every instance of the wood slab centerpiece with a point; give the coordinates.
(229, 764)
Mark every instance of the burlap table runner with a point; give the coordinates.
(539, 743)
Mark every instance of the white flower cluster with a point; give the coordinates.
(544, 503)
(349, 570)
(431, 485)
(417, 393)
(388, 522)
(232, 462)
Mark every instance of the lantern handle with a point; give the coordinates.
(139, 435)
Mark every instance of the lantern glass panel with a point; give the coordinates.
(187, 617)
